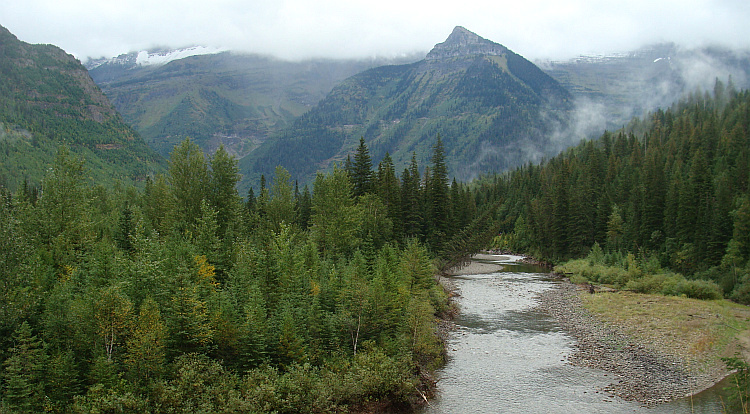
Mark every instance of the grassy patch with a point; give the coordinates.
(699, 331)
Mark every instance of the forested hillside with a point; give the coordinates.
(494, 109)
(671, 190)
(233, 99)
(185, 298)
(48, 99)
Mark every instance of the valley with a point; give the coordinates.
(202, 230)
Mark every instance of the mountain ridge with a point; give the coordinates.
(462, 42)
(48, 99)
(227, 98)
(486, 107)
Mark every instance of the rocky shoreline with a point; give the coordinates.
(641, 374)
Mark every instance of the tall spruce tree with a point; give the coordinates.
(361, 170)
(438, 203)
(188, 176)
(411, 200)
(222, 189)
(389, 191)
(23, 385)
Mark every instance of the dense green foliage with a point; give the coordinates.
(673, 187)
(184, 298)
(47, 99)
(739, 397)
(642, 276)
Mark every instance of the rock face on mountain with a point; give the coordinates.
(493, 109)
(462, 43)
(47, 98)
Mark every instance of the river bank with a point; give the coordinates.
(640, 372)
(476, 267)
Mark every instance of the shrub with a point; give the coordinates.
(700, 289)
(741, 293)
(578, 279)
(615, 276)
(647, 284)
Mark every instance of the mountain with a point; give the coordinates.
(47, 99)
(150, 57)
(493, 109)
(233, 99)
(619, 86)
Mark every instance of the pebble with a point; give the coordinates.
(647, 376)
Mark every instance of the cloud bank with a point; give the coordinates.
(297, 29)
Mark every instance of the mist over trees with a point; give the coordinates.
(670, 189)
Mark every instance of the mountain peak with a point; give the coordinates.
(463, 42)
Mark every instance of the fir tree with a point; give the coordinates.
(361, 170)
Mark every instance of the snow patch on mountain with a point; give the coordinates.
(153, 57)
(146, 58)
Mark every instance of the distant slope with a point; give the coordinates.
(224, 98)
(630, 84)
(493, 109)
(47, 99)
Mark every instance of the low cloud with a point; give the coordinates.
(297, 29)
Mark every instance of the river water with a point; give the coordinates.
(507, 357)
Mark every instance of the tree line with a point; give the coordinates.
(670, 189)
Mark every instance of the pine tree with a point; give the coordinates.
(411, 200)
(62, 380)
(158, 205)
(222, 189)
(389, 191)
(438, 203)
(304, 209)
(23, 383)
(125, 230)
(335, 216)
(64, 213)
(280, 208)
(189, 178)
(146, 353)
(361, 174)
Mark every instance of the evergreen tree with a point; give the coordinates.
(125, 231)
(146, 355)
(222, 189)
(411, 200)
(158, 204)
(23, 383)
(64, 220)
(188, 176)
(361, 170)
(304, 209)
(438, 203)
(389, 191)
(62, 380)
(335, 215)
(280, 208)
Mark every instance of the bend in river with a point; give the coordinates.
(506, 355)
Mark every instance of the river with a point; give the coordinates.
(505, 356)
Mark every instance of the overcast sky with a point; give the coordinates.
(536, 29)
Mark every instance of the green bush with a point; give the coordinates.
(741, 292)
(642, 276)
(647, 284)
(700, 289)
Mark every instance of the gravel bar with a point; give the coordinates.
(641, 374)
